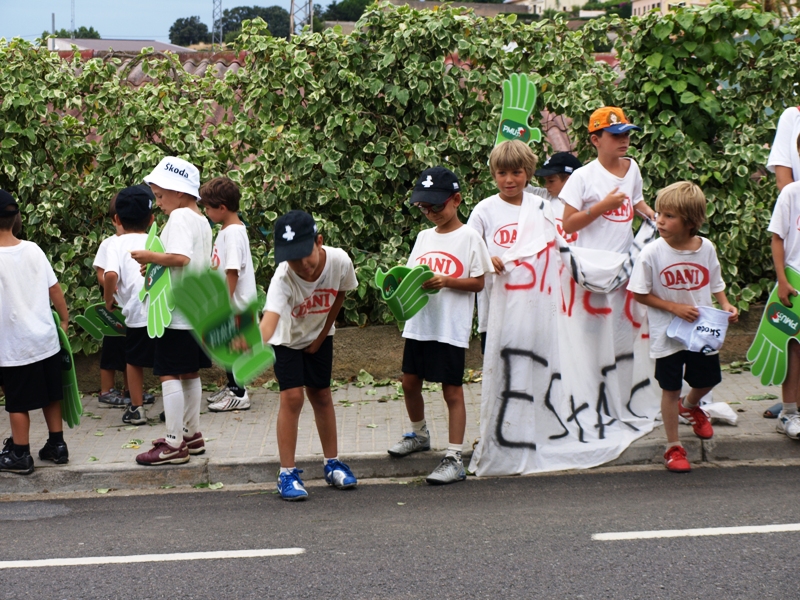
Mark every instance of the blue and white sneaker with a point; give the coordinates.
(339, 474)
(291, 486)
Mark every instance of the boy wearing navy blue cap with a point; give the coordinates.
(303, 300)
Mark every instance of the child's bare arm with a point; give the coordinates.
(57, 299)
(467, 284)
(498, 265)
(783, 176)
(334, 312)
(268, 325)
(687, 312)
(722, 299)
(144, 257)
(109, 288)
(100, 276)
(644, 210)
(574, 220)
(232, 278)
(785, 289)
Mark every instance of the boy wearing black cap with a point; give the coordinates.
(438, 335)
(30, 362)
(303, 300)
(123, 275)
(556, 170)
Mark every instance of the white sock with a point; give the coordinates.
(671, 444)
(287, 469)
(420, 428)
(686, 404)
(192, 397)
(789, 407)
(173, 411)
(326, 460)
(454, 450)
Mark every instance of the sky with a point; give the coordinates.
(135, 19)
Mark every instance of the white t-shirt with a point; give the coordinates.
(27, 330)
(557, 207)
(447, 317)
(131, 280)
(589, 185)
(186, 233)
(684, 276)
(303, 305)
(786, 223)
(232, 253)
(784, 146)
(101, 259)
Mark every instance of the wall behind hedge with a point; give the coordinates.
(341, 125)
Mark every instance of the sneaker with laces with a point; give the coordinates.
(8, 444)
(450, 470)
(113, 398)
(11, 463)
(789, 424)
(218, 395)
(697, 419)
(196, 444)
(134, 415)
(410, 443)
(339, 475)
(230, 401)
(675, 460)
(162, 453)
(146, 398)
(291, 487)
(56, 452)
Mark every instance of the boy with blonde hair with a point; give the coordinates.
(681, 211)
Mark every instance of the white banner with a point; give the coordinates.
(567, 380)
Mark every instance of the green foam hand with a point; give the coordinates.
(779, 325)
(157, 283)
(99, 322)
(519, 98)
(71, 407)
(401, 288)
(204, 300)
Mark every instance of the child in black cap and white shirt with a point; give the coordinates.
(438, 335)
(303, 300)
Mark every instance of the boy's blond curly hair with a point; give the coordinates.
(510, 155)
(686, 199)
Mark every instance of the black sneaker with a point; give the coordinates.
(9, 463)
(8, 444)
(57, 452)
(134, 415)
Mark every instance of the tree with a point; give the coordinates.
(277, 20)
(345, 10)
(82, 33)
(185, 32)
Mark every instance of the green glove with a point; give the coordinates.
(71, 407)
(157, 283)
(402, 290)
(519, 98)
(778, 326)
(203, 299)
(99, 322)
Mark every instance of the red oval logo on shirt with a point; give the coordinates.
(320, 301)
(684, 276)
(442, 263)
(506, 235)
(568, 237)
(623, 214)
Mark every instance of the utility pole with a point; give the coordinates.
(72, 32)
(301, 13)
(216, 25)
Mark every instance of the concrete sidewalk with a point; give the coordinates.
(242, 448)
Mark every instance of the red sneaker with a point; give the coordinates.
(162, 453)
(195, 443)
(700, 423)
(675, 460)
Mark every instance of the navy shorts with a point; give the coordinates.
(434, 361)
(139, 347)
(178, 353)
(701, 370)
(112, 354)
(295, 368)
(33, 386)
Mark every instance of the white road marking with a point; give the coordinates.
(141, 558)
(673, 533)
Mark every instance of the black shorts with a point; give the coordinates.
(139, 347)
(178, 353)
(112, 354)
(33, 386)
(295, 368)
(434, 361)
(702, 370)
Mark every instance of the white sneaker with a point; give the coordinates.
(230, 402)
(219, 395)
(789, 423)
(450, 470)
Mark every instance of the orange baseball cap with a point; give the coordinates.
(612, 119)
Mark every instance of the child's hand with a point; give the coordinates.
(110, 306)
(734, 312)
(785, 291)
(141, 256)
(498, 265)
(239, 344)
(613, 200)
(313, 346)
(437, 282)
(687, 312)
(64, 326)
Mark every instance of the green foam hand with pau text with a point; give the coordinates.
(158, 284)
(71, 407)
(401, 288)
(519, 98)
(99, 322)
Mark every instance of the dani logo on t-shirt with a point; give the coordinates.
(320, 301)
(568, 237)
(506, 235)
(623, 214)
(215, 262)
(684, 276)
(442, 263)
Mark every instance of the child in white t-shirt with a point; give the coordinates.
(672, 277)
(134, 216)
(303, 301)
(232, 259)
(178, 357)
(784, 156)
(601, 197)
(512, 164)
(112, 349)
(556, 170)
(438, 335)
(30, 352)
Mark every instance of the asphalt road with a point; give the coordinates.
(495, 538)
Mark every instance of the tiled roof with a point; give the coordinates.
(60, 44)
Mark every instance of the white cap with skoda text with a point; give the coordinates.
(176, 174)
